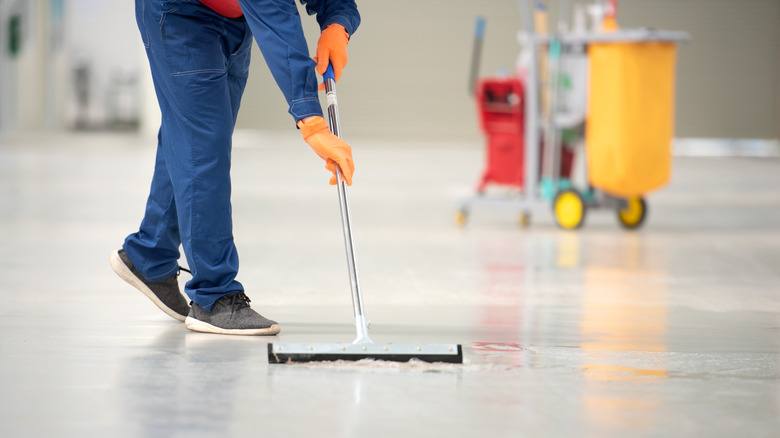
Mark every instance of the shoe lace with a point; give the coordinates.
(238, 301)
(181, 268)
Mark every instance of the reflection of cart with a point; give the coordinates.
(620, 140)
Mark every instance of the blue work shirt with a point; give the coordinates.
(276, 26)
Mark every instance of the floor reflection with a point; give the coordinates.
(624, 308)
(169, 388)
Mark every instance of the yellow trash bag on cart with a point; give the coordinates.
(630, 122)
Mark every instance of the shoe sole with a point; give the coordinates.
(197, 325)
(127, 275)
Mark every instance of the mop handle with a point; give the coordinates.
(357, 302)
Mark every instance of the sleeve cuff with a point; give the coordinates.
(342, 20)
(303, 108)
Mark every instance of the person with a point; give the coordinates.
(199, 54)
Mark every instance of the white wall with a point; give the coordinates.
(36, 87)
(22, 89)
(103, 33)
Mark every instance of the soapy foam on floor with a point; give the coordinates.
(374, 364)
(414, 365)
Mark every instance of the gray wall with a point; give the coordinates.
(729, 73)
(409, 62)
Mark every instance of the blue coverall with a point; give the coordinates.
(200, 63)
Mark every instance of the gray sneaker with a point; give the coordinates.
(164, 293)
(231, 315)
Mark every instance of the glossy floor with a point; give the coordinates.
(673, 330)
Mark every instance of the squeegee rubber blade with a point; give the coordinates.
(277, 357)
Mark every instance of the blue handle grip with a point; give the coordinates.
(479, 27)
(329, 73)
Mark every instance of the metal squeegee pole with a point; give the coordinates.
(361, 326)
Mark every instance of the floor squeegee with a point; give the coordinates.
(362, 347)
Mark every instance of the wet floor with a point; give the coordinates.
(673, 330)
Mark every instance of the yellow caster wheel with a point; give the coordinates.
(524, 219)
(633, 214)
(460, 218)
(569, 209)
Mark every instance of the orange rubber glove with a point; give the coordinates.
(332, 47)
(329, 147)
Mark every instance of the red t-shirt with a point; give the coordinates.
(226, 8)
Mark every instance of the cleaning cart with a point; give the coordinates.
(588, 124)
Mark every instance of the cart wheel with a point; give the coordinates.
(634, 214)
(569, 209)
(461, 217)
(524, 219)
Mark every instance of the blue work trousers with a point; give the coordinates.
(199, 62)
